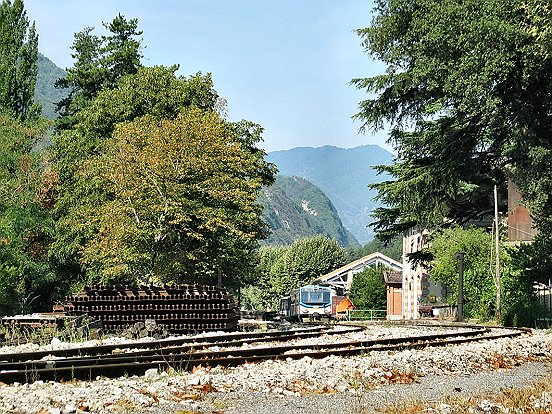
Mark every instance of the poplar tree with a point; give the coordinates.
(18, 61)
(27, 281)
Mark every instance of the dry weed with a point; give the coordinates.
(521, 400)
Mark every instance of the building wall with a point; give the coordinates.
(394, 302)
(520, 224)
(415, 279)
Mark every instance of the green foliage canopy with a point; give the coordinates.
(306, 260)
(478, 247)
(26, 227)
(157, 92)
(258, 292)
(181, 191)
(467, 95)
(519, 304)
(100, 61)
(198, 239)
(368, 291)
(539, 23)
(281, 269)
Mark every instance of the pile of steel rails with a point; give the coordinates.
(177, 309)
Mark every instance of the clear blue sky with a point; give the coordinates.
(285, 64)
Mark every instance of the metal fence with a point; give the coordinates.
(366, 314)
(544, 296)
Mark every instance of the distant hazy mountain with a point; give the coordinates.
(294, 208)
(343, 175)
(45, 92)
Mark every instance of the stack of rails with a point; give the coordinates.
(36, 320)
(177, 309)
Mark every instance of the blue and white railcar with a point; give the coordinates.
(308, 303)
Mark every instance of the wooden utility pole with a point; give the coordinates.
(497, 278)
(460, 306)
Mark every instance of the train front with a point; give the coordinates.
(315, 303)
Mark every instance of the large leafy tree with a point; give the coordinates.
(191, 215)
(182, 199)
(26, 278)
(157, 95)
(18, 61)
(466, 93)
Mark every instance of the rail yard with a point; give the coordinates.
(193, 372)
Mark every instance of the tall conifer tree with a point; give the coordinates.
(18, 61)
(100, 61)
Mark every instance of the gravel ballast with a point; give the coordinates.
(359, 384)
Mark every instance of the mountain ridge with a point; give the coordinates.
(343, 174)
(45, 91)
(294, 208)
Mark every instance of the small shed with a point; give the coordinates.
(342, 307)
(393, 283)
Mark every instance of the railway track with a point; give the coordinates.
(225, 350)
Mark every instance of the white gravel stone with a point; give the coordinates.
(151, 373)
(287, 378)
(70, 409)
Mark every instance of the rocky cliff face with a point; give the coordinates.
(294, 208)
(343, 174)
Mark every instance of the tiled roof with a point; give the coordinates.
(391, 277)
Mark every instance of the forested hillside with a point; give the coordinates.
(45, 91)
(343, 175)
(294, 208)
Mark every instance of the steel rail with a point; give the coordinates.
(90, 368)
(221, 340)
(95, 358)
(175, 354)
